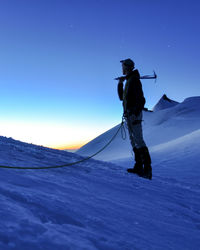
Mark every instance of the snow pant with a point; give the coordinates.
(134, 124)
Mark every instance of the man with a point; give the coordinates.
(133, 104)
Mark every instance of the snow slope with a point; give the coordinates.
(98, 205)
(159, 127)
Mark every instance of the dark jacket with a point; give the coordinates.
(132, 94)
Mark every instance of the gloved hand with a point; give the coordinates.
(121, 78)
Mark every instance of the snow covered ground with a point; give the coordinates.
(97, 204)
(163, 126)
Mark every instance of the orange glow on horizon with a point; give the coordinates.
(69, 146)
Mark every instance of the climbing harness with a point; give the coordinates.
(121, 127)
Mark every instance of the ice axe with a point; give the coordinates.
(154, 76)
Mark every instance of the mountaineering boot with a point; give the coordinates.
(138, 168)
(146, 159)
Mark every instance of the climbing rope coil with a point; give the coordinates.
(123, 134)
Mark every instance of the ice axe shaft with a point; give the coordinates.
(154, 76)
(123, 78)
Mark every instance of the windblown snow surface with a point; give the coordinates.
(97, 204)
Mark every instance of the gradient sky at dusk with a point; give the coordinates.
(59, 58)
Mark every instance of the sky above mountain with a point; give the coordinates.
(59, 58)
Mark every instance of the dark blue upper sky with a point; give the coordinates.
(59, 58)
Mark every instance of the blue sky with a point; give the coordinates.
(59, 58)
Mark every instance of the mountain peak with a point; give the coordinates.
(164, 103)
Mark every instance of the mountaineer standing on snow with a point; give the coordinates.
(133, 104)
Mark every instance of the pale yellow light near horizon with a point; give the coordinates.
(51, 135)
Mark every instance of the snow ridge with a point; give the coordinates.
(159, 127)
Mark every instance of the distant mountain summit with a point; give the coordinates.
(164, 103)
